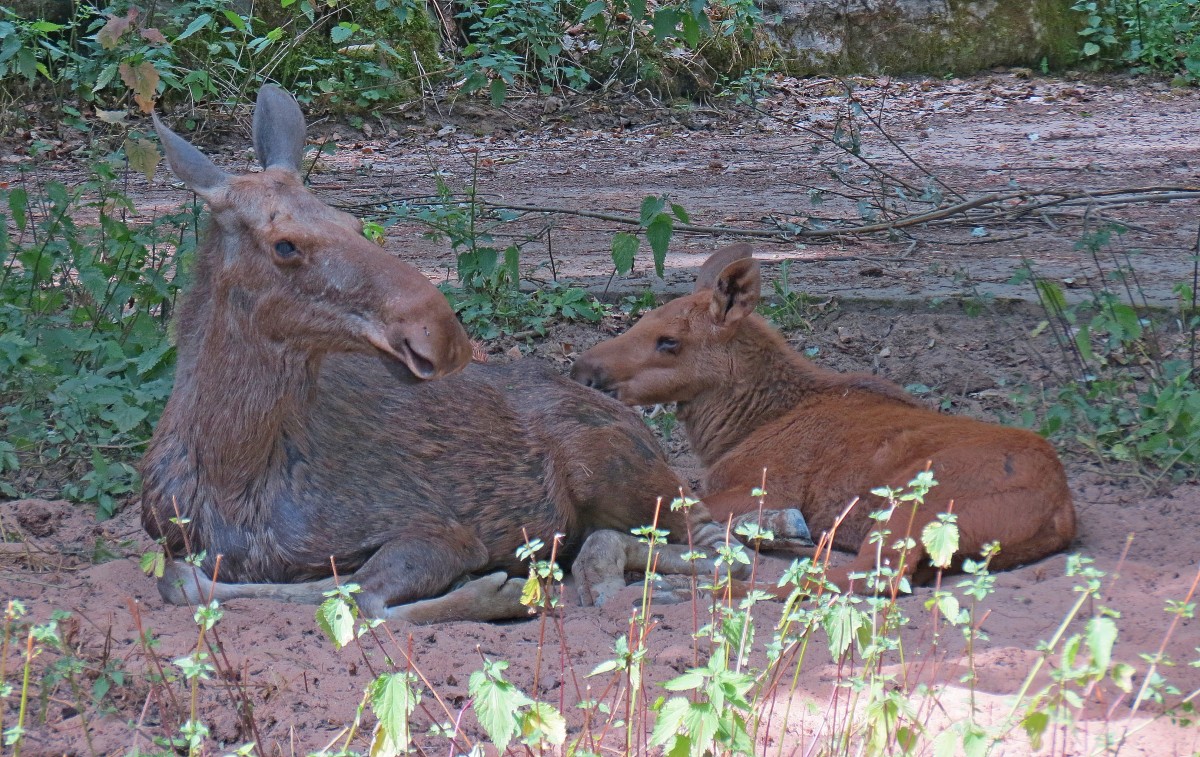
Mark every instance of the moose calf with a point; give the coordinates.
(322, 420)
(749, 402)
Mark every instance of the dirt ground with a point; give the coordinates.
(891, 306)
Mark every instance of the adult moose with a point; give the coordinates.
(319, 419)
(749, 402)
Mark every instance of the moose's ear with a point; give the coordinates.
(190, 165)
(736, 291)
(278, 129)
(707, 277)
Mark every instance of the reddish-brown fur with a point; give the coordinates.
(749, 402)
(300, 430)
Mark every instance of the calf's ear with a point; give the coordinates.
(707, 277)
(735, 292)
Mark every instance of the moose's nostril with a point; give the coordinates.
(421, 366)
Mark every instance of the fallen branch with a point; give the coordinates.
(1003, 208)
(1096, 199)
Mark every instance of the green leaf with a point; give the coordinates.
(393, 700)
(702, 724)
(941, 542)
(693, 679)
(624, 249)
(335, 618)
(659, 234)
(670, 721)
(841, 622)
(1052, 295)
(680, 213)
(608, 666)
(496, 703)
(197, 24)
(593, 8)
(1122, 676)
(1083, 340)
(1035, 726)
(498, 91)
(691, 30)
(153, 563)
(651, 207)
(235, 20)
(123, 417)
(104, 78)
(543, 724)
(665, 21)
(1101, 636)
(975, 741)
(945, 744)
(949, 607)
(1090, 49)
(512, 263)
(1127, 317)
(17, 200)
(341, 33)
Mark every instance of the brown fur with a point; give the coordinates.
(298, 432)
(749, 402)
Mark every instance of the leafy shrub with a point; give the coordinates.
(351, 55)
(788, 309)
(85, 365)
(553, 43)
(1132, 397)
(488, 297)
(1151, 35)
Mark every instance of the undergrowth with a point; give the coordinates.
(350, 55)
(1160, 36)
(86, 290)
(788, 309)
(1130, 397)
(361, 55)
(749, 683)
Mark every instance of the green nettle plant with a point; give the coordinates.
(488, 296)
(569, 43)
(1151, 35)
(746, 679)
(353, 55)
(1131, 397)
(85, 363)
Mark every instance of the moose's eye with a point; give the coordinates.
(667, 344)
(285, 250)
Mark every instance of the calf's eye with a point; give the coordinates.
(667, 344)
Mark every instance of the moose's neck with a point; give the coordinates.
(768, 380)
(238, 398)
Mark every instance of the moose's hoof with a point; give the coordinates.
(674, 590)
(599, 568)
(495, 596)
(180, 584)
(793, 526)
